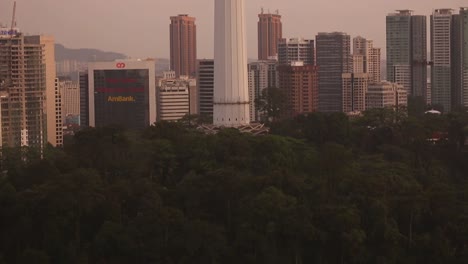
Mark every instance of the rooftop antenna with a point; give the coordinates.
(262, 10)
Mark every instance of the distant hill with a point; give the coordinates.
(85, 55)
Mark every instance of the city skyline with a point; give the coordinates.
(103, 25)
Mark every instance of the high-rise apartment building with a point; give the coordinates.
(84, 99)
(262, 75)
(231, 92)
(57, 114)
(27, 75)
(370, 58)
(205, 87)
(270, 31)
(122, 93)
(419, 53)
(386, 94)
(300, 85)
(354, 92)
(441, 54)
(460, 59)
(359, 62)
(333, 59)
(374, 64)
(296, 49)
(407, 51)
(183, 46)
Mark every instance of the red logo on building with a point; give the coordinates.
(120, 65)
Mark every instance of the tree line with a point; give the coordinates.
(321, 188)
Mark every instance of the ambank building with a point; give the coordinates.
(122, 93)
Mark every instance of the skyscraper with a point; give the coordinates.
(27, 77)
(296, 49)
(270, 31)
(333, 59)
(205, 87)
(299, 83)
(371, 58)
(84, 99)
(460, 59)
(122, 93)
(231, 94)
(183, 37)
(419, 56)
(407, 51)
(441, 54)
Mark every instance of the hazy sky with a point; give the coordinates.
(140, 28)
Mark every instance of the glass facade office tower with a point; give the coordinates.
(333, 59)
(407, 51)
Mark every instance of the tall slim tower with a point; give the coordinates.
(460, 59)
(183, 33)
(270, 31)
(231, 93)
(441, 53)
(407, 51)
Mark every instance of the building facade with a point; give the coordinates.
(205, 87)
(27, 75)
(299, 83)
(262, 75)
(386, 94)
(231, 92)
(84, 99)
(441, 55)
(183, 45)
(58, 114)
(176, 97)
(460, 59)
(333, 59)
(354, 92)
(70, 93)
(296, 49)
(270, 31)
(122, 93)
(407, 51)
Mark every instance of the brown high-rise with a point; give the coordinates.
(299, 82)
(270, 31)
(183, 45)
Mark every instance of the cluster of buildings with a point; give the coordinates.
(331, 73)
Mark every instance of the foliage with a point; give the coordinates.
(321, 188)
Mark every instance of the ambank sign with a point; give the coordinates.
(8, 32)
(121, 99)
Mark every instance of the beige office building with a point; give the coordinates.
(354, 92)
(386, 94)
(176, 98)
(70, 92)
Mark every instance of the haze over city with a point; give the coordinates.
(140, 28)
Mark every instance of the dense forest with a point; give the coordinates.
(321, 188)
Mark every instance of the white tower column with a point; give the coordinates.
(231, 93)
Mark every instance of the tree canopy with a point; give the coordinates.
(321, 188)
